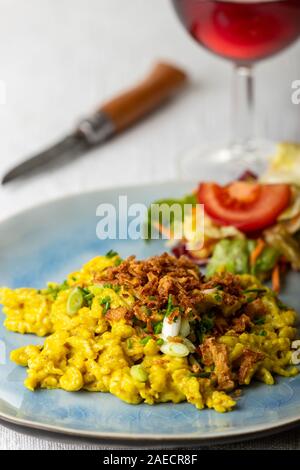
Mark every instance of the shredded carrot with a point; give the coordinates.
(162, 229)
(276, 278)
(257, 251)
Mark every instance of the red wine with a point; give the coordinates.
(241, 30)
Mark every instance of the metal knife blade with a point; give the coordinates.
(72, 144)
(91, 131)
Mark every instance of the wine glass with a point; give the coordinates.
(244, 31)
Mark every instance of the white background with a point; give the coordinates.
(61, 58)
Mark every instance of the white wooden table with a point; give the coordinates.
(61, 58)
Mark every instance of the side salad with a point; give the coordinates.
(250, 227)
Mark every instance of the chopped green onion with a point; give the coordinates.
(115, 287)
(175, 349)
(152, 297)
(170, 306)
(88, 299)
(205, 326)
(170, 328)
(146, 310)
(259, 291)
(87, 296)
(75, 301)
(189, 345)
(108, 286)
(138, 373)
(145, 340)
(281, 305)
(259, 321)
(129, 343)
(185, 328)
(105, 303)
(111, 254)
(218, 298)
(262, 333)
(160, 342)
(53, 290)
(202, 375)
(158, 327)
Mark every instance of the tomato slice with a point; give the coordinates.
(248, 206)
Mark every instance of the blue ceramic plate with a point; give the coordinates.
(47, 242)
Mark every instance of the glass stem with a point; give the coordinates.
(243, 106)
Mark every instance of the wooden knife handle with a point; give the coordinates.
(162, 82)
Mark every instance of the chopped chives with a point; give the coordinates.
(257, 290)
(111, 254)
(158, 327)
(145, 340)
(202, 375)
(105, 303)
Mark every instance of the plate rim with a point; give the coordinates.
(254, 431)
